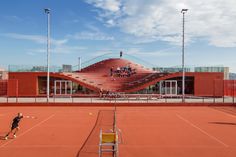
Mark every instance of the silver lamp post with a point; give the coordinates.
(47, 11)
(183, 11)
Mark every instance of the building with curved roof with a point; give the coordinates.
(115, 75)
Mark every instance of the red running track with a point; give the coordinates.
(146, 131)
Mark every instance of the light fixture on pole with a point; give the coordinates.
(183, 11)
(47, 11)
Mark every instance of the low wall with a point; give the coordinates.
(116, 104)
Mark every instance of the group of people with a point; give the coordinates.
(125, 71)
(108, 94)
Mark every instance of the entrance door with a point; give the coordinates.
(168, 87)
(62, 88)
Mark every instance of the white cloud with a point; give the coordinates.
(160, 53)
(85, 35)
(58, 46)
(68, 49)
(213, 20)
(62, 49)
(31, 53)
(35, 38)
(12, 18)
(110, 5)
(93, 33)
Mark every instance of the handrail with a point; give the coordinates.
(146, 77)
(96, 59)
(33, 68)
(143, 62)
(114, 55)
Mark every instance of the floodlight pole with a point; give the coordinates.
(183, 11)
(79, 64)
(47, 11)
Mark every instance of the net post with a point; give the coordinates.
(114, 124)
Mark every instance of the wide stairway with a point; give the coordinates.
(97, 76)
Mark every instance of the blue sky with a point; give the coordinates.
(150, 30)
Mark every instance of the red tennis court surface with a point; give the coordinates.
(146, 131)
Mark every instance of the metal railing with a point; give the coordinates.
(114, 55)
(125, 98)
(32, 68)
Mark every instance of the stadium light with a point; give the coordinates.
(47, 11)
(183, 11)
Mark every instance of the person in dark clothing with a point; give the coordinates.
(111, 71)
(15, 125)
(107, 94)
(101, 93)
(121, 54)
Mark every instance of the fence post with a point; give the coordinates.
(223, 91)
(233, 90)
(17, 91)
(214, 97)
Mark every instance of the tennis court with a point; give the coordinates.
(165, 131)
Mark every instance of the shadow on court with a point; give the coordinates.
(223, 123)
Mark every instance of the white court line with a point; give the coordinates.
(5, 113)
(44, 146)
(204, 132)
(28, 130)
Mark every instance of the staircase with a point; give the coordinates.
(97, 76)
